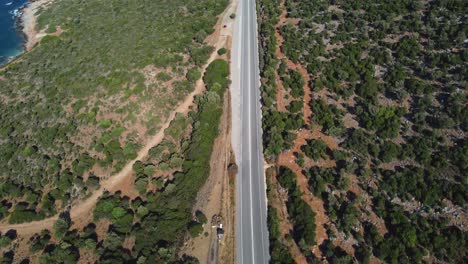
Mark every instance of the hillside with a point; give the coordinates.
(95, 101)
(365, 120)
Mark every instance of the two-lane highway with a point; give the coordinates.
(251, 216)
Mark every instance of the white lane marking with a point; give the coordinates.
(250, 133)
(259, 134)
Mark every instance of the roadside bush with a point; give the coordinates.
(200, 216)
(222, 51)
(195, 229)
(217, 72)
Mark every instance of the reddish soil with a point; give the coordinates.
(280, 95)
(127, 187)
(101, 228)
(280, 92)
(278, 200)
(367, 205)
(129, 242)
(349, 121)
(288, 159)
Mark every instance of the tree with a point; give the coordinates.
(200, 216)
(118, 212)
(389, 151)
(217, 72)
(61, 227)
(142, 211)
(195, 229)
(222, 51)
(193, 75)
(315, 149)
(113, 241)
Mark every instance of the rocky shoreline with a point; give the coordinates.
(27, 22)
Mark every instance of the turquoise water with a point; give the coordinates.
(11, 39)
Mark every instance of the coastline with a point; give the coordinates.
(27, 22)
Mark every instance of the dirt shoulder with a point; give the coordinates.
(211, 199)
(215, 197)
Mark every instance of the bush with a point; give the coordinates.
(217, 72)
(22, 214)
(193, 75)
(315, 149)
(201, 218)
(61, 227)
(222, 51)
(195, 229)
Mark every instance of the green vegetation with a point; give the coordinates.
(315, 149)
(303, 218)
(327, 116)
(193, 75)
(89, 97)
(83, 102)
(217, 73)
(222, 51)
(293, 80)
(160, 217)
(61, 226)
(278, 251)
(388, 83)
(195, 229)
(201, 217)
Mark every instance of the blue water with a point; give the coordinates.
(11, 39)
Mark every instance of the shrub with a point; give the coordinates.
(195, 229)
(315, 149)
(222, 51)
(193, 75)
(61, 227)
(217, 72)
(201, 218)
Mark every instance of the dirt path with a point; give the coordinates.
(281, 92)
(82, 211)
(287, 158)
(210, 198)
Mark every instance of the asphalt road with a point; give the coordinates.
(252, 232)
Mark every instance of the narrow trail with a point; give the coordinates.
(281, 92)
(321, 218)
(288, 159)
(279, 202)
(82, 210)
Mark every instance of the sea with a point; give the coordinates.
(11, 38)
